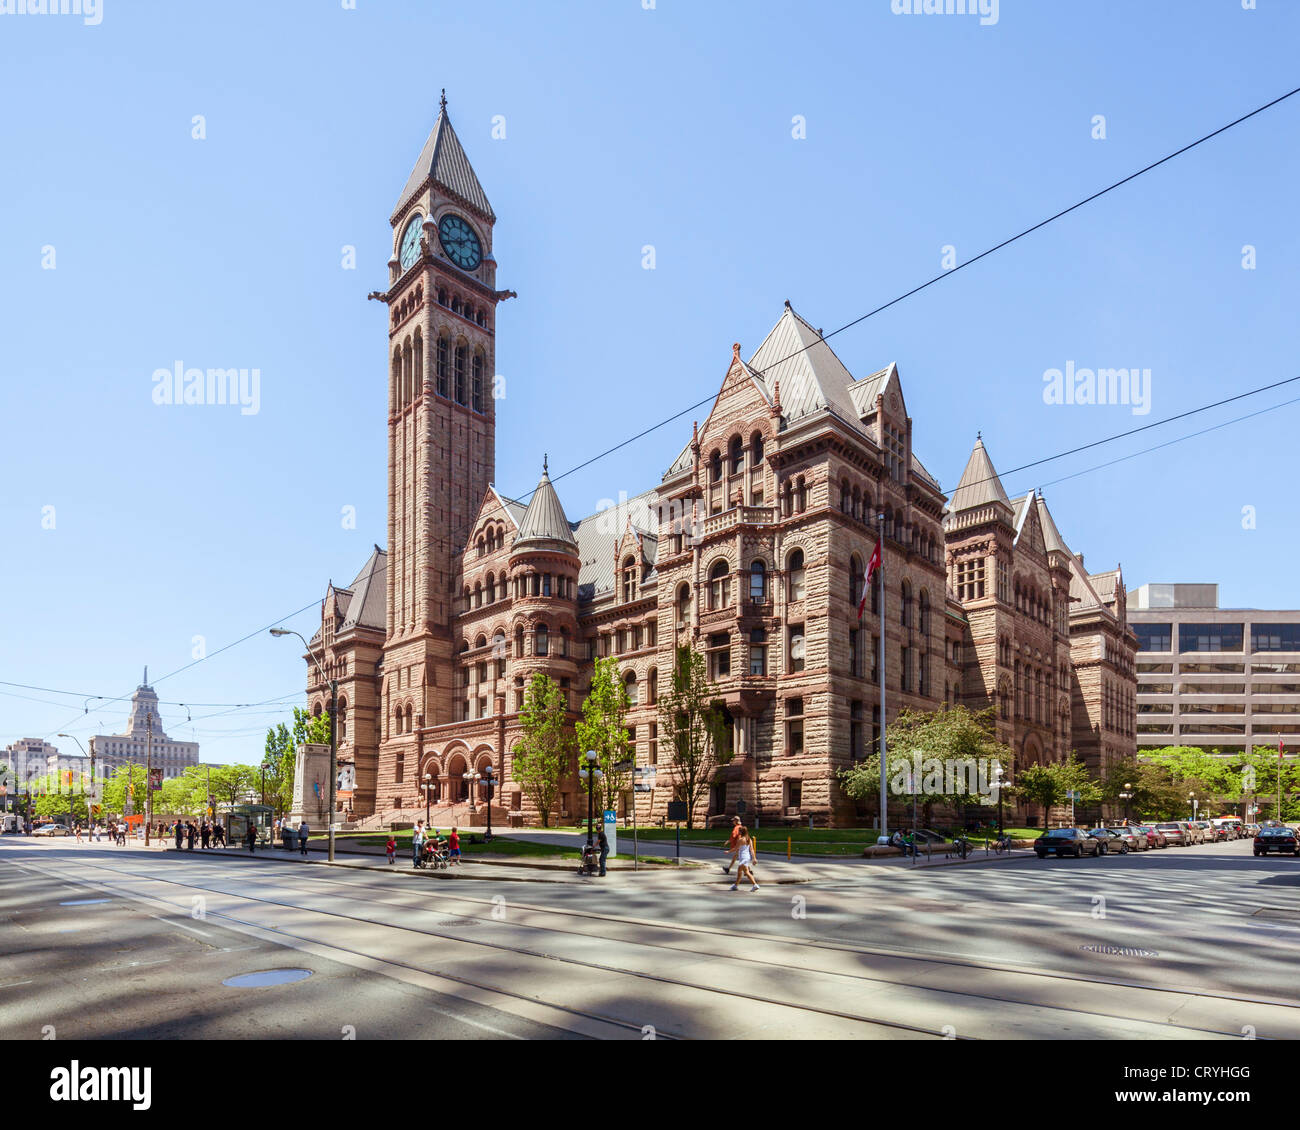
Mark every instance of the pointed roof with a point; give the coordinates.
(443, 159)
(979, 485)
(812, 377)
(1051, 535)
(366, 608)
(545, 525)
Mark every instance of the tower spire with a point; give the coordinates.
(442, 102)
(146, 675)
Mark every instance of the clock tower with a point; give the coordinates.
(441, 301)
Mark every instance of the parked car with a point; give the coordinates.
(1223, 831)
(1279, 839)
(1174, 833)
(1155, 837)
(51, 830)
(1193, 832)
(1138, 834)
(1067, 841)
(1116, 839)
(1206, 829)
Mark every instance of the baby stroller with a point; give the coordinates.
(434, 854)
(589, 863)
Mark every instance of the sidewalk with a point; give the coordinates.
(702, 865)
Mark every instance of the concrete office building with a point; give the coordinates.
(1223, 679)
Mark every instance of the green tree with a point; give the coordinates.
(184, 795)
(545, 751)
(603, 727)
(279, 758)
(932, 740)
(313, 729)
(694, 723)
(124, 790)
(1041, 785)
(59, 806)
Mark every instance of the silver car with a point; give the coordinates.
(1175, 832)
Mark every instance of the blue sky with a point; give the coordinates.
(624, 127)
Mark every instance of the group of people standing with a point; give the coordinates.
(208, 833)
(115, 830)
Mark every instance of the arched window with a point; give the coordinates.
(719, 586)
(481, 545)
(756, 449)
(652, 685)
(845, 503)
(478, 594)
(460, 372)
(410, 717)
(787, 499)
(683, 606)
(801, 495)
(491, 588)
(925, 613)
(907, 604)
(856, 580)
(499, 652)
(341, 718)
(757, 582)
(397, 720)
(443, 364)
(737, 456)
(418, 373)
(397, 378)
(795, 572)
(519, 642)
(715, 467)
(476, 383)
(542, 640)
(633, 695)
(856, 508)
(563, 645)
(629, 579)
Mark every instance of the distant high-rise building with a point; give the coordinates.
(113, 750)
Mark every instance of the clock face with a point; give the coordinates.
(411, 242)
(459, 242)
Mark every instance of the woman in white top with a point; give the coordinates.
(745, 860)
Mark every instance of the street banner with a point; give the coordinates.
(611, 830)
(155, 780)
(644, 779)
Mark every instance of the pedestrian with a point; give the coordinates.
(191, 833)
(417, 844)
(219, 833)
(391, 847)
(733, 844)
(602, 842)
(180, 834)
(303, 831)
(205, 835)
(744, 858)
(250, 837)
(77, 828)
(453, 846)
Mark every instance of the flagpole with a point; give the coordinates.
(884, 794)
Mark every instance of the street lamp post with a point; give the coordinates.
(489, 780)
(1126, 796)
(334, 736)
(470, 778)
(1192, 798)
(428, 786)
(92, 773)
(591, 775)
(998, 782)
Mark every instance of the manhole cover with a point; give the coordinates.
(266, 977)
(82, 902)
(1121, 951)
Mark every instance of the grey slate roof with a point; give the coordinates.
(812, 377)
(544, 524)
(361, 604)
(515, 510)
(443, 158)
(599, 533)
(979, 485)
(1051, 535)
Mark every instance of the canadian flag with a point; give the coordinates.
(872, 566)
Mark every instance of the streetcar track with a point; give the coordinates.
(1018, 968)
(619, 971)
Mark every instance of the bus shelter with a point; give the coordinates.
(238, 817)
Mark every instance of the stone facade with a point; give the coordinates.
(752, 549)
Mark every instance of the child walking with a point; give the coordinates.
(391, 847)
(453, 845)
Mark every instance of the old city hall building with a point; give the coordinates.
(752, 549)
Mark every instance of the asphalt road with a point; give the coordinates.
(1188, 943)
